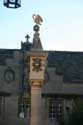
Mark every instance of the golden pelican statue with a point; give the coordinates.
(37, 19)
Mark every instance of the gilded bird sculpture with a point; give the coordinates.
(37, 19)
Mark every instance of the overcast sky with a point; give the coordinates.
(62, 28)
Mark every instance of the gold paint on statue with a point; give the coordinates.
(37, 19)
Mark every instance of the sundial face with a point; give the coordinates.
(37, 64)
(9, 75)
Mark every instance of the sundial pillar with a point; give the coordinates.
(37, 68)
(36, 76)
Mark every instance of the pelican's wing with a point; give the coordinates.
(40, 18)
(33, 16)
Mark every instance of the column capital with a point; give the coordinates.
(36, 83)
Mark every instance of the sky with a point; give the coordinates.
(62, 27)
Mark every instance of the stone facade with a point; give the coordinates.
(63, 79)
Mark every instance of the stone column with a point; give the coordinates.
(37, 69)
(35, 105)
(36, 75)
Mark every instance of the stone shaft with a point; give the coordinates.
(35, 105)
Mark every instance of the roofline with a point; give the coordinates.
(9, 49)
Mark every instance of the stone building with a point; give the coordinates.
(63, 83)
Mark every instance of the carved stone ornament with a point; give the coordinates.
(37, 64)
(9, 75)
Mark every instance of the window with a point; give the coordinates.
(24, 107)
(2, 107)
(55, 108)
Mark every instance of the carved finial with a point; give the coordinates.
(37, 19)
(36, 39)
(27, 37)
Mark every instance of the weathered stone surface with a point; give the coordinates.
(67, 64)
(64, 77)
(10, 71)
(4, 54)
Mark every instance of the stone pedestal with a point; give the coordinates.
(35, 105)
